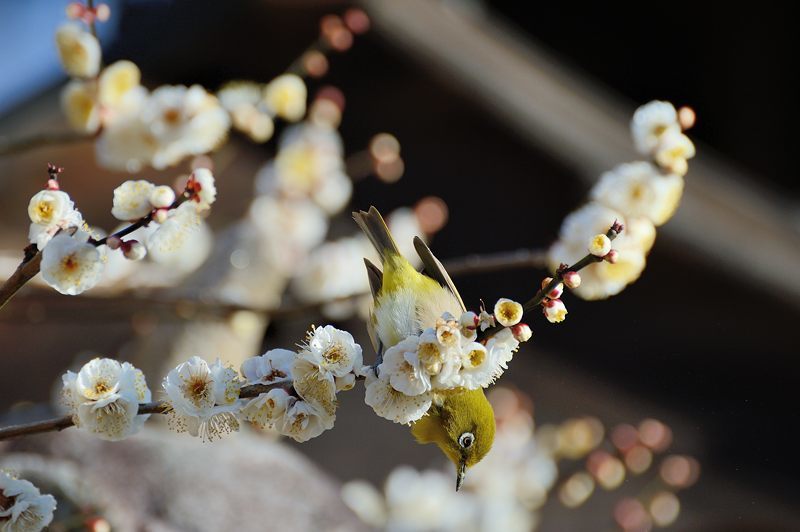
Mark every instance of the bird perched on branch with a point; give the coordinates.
(406, 302)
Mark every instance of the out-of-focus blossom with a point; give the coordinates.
(639, 189)
(79, 103)
(286, 97)
(673, 151)
(203, 188)
(242, 99)
(70, 265)
(79, 51)
(103, 398)
(176, 232)
(23, 508)
(118, 87)
(651, 122)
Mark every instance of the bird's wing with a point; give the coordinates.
(375, 277)
(376, 230)
(434, 269)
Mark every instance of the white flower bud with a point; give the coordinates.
(161, 215)
(521, 332)
(599, 245)
(162, 197)
(507, 312)
(554, 310)
(134, 250)
(572, 279)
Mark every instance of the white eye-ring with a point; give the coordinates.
(466, 440)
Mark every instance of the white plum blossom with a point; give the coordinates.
(243, 100)
(402, 364)
(103, 398)
(500, 350)
(478, 370)
(303, 421)
(268, 409)
(507, 312)
(333, 350)
(203, 398)
(286, 97)
(650, 122)
(162, 197)
(640, 189)
(132, 200)
(315, 386)
(272, 367)
(599, 245)
(602, 279)
(119, 89)
(23, 508)
(201, 185)
(70, 265)
(79, 51)
(392, 404)
(49, 207)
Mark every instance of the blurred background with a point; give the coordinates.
(500, 110)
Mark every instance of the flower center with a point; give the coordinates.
(333, 354)
(69, 263)
(45, 209)
(197, 389)
(101, 387)
(172, 116)
(476, 357)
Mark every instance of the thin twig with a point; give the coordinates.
(26, 271)
(156, 407)
(12, 145)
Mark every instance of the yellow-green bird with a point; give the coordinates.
(461, 422)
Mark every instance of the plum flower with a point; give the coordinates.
(70, 265)
(203, 398)
(132, 200)
(392, 404)
(79, 51)
(303, 421)
(22, 506)
(103, 398)
(286, 97)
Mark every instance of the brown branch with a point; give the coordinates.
(13, 145)
(156, 407)
(26, 271)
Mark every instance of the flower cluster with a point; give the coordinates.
(22, 507)
(252, 106)
(639, 195)
(299, 400)
(74, 258)
(103, 398)
(444, 357)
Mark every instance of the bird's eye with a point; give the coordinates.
(466, 440)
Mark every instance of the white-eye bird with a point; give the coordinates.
(461, 422)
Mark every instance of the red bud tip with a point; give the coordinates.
(521, 332)
(114, 242)
(617, 227)
(52, 184)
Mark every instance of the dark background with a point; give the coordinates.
(713, 355)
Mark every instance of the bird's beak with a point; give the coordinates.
(462, 471)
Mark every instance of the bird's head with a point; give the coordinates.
(462, 426)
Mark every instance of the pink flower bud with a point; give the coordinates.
(612, 256)
(52, 184)
(114, 242)
(521, 332)
(75, 10)
(572, 279)
(556, 291)
(469, 320)
(133, 250)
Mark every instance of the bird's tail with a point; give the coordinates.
(376, 230)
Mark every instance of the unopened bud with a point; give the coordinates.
(554, 310)
(133, 250)
(469, 320)
(75, 10)
(617, 227)
(161, 215)
(113, 242)
(599, 245)
(52, 184)
(556, 291)
(521, 332)
(611, 257)
(162, 196)
(102, 12)
(686, 117)
(572, 279)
